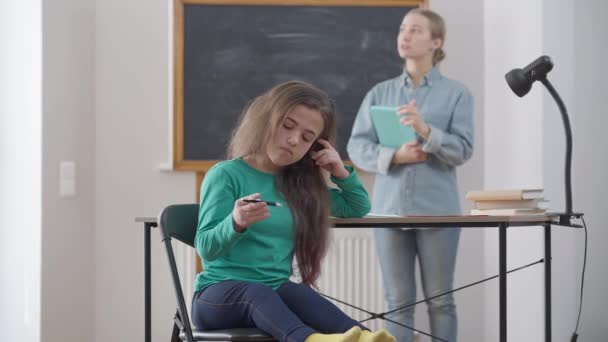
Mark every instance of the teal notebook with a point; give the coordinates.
(390, 132)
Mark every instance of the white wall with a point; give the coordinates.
(20, 169)
(132, 110)
(68, 249)
(513, 159)
(590, 161)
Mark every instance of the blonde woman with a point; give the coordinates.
(419, 178)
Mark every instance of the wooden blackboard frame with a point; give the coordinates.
(179, 162)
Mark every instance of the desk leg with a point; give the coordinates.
(502, 279)
(548, 333)
(147, 281)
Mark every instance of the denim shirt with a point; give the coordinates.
(430, 187)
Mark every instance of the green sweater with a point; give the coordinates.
(264, 252)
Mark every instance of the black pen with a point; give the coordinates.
(274, 204)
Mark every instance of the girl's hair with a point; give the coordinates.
(302, 183)
(437, 28)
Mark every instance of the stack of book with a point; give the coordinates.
(508, 202)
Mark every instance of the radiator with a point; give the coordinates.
(351, 273)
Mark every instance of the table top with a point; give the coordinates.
(442, 221)
(146, 219)
(422, 221)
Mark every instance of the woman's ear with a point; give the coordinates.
(437, 43)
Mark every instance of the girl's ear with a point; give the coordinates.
(316, 146)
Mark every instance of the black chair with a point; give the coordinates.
(180, 222)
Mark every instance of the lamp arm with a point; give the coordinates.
(568, 131)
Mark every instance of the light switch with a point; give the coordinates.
(67, 179)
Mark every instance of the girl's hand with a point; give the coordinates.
(245, 214)
(411, 117)
(409, 153)
(329, 159)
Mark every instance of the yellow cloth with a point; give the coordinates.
(376, 336)
(351, 335)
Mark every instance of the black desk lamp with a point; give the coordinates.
(520, 81)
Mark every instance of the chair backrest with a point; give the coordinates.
(179, 221)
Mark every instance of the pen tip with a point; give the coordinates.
(279, 204)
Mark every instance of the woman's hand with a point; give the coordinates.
(329, 159)
(409, 153)
(411, 117)
(245, 214)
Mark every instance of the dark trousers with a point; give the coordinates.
(291, 313)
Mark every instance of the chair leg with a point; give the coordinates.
(175, 334)
(177, 327)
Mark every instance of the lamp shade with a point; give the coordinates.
(520, 80)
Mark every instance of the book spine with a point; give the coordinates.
(510, 204)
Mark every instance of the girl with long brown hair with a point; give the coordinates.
(268, 202)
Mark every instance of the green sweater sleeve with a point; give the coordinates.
(350, 199)
(215, 233)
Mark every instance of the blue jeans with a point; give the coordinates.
(291, 313)
(436, 250)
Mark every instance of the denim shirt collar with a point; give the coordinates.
(428, 79)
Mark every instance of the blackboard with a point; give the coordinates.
(227, 54)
